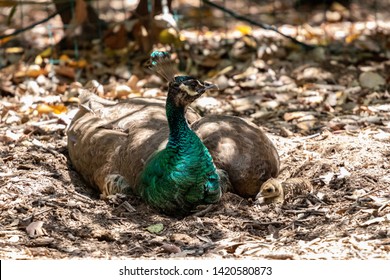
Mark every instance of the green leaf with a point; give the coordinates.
(156, 228)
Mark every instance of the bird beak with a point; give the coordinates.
(207, 86)
(259, 196)
(210, 86)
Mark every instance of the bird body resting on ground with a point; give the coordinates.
(174, 179)
(241, 149)
(276, 191)
(182, 175)
(111, 144)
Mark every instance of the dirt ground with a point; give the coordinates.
(348, 220)
(328, 118)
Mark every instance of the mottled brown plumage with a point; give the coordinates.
(241, 149)
(276, 191)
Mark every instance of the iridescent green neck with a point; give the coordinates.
(178, 126)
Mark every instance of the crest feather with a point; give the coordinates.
(162, 64)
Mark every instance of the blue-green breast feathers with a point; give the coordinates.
(177, 179)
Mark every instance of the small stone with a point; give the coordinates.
(222, 82)
(206, 103)
(151, 93)
(33, 87)
(41, 80)
(371, 80)
(122, 91)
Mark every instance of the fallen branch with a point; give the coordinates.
(31, 26)
(259, 24)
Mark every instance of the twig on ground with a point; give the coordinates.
(259, 24)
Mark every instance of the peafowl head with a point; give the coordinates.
(271, 188)
(182, 89)
(185, 89)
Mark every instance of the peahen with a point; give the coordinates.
(111, 143)
(174, 179)
(182, 175)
